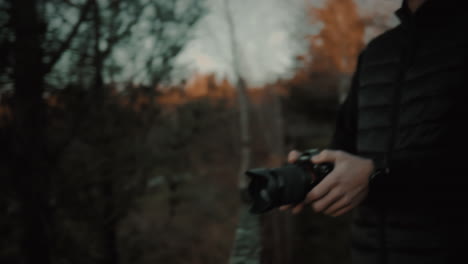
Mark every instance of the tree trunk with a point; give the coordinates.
(111, 220)
(276, 231)
(244, 124)
(276, 226)
(99, 95)
(28, 153)
(243, 102)
(98, 57)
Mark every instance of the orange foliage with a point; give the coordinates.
(5, 114)
(337, 46)
(53, 101)
(207, 85)
(333, 52)
(201, 86)
(172, 97)
(140, 102)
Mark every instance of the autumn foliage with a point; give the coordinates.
(147, 173)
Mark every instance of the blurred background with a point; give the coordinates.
(126, 125)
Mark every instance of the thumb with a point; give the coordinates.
(325, 156)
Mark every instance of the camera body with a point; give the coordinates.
(270, 188)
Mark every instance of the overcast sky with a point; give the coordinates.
(269, 34)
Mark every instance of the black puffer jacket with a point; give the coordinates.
(407, 109)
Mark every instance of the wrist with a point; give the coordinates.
(379, 169)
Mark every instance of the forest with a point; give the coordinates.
(100, 165)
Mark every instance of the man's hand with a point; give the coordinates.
(343, 188)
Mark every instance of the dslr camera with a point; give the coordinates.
(271, 188)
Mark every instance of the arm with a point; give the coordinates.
(347, 185)
(345, 134)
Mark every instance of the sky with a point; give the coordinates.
(269, 33)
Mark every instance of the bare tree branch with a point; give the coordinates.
(66, 43)
(113, 39)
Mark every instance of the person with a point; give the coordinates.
(399, 142)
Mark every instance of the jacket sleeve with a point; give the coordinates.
(345, 134)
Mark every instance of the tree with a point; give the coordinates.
(28, 143)
(38, 37)
(170, 29)
(103, 127)
(242, 100)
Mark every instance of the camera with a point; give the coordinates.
(271, 188)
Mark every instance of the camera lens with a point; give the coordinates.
(270, 188)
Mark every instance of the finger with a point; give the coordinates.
(357, 199)
(297, 208)
(343, 202)
(327, 200)
(316, 194)
(326, 156)
(343, 210)
(284, 207)
(322, 188)
(293, 155)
